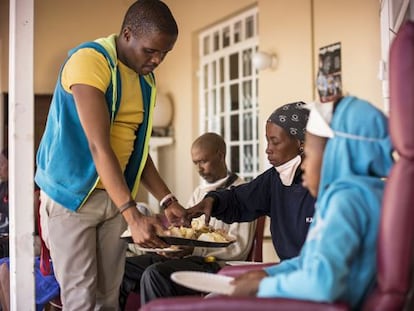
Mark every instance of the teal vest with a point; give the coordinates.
(65, 168)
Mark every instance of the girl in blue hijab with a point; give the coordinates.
(346, 160)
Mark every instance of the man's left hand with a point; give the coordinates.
(176, 215)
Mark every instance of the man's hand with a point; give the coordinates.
(247, 284)
(176, 215)
(204, 207)
(144, 231)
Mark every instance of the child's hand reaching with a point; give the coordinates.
(247, 284)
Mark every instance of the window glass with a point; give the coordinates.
(228, 88)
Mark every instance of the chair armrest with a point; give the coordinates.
(238, 270)
(224, 303)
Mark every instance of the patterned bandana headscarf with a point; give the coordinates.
(292, 118)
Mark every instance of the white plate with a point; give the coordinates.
(204, 282)
(157, 250)
(242, 263)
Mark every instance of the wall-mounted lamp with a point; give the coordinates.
(163, 115)
(263, 60)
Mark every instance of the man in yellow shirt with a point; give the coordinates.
(94, 154)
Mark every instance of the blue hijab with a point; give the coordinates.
(362, 140)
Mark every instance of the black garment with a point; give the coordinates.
(4, 219)
(4, 207)
(155, 270)
(290, 208)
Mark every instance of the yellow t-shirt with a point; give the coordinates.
(87, 66)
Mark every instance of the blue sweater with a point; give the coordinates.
(290, 208)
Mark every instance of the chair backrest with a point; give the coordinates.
(256, 252)
(396, 232)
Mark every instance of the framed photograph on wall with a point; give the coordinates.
(329, 77)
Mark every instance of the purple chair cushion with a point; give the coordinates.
(396, 232)
(402, 90)
(239, 304)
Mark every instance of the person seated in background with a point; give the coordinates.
(278, 192)
(46, 286)
(4, 203)
(149, 274)
(345, 165)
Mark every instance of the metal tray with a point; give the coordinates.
(190, 242)
(187, 242)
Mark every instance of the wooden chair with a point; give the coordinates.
(256, 251)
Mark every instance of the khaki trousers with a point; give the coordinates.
(87, 253)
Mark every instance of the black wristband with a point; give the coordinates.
(168, 202)
(127, 205)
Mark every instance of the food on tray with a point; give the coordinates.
(198, 231)
(212, 237)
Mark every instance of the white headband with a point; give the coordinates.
(319, 119)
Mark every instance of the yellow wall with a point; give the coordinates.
(59, 26)
(284, 29)
(178, 77)
(356, 25)
(293, 29)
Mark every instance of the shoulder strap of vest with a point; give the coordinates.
(111, 96)
(96, 46)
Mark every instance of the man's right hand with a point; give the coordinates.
(144, 230)
(204, 207)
